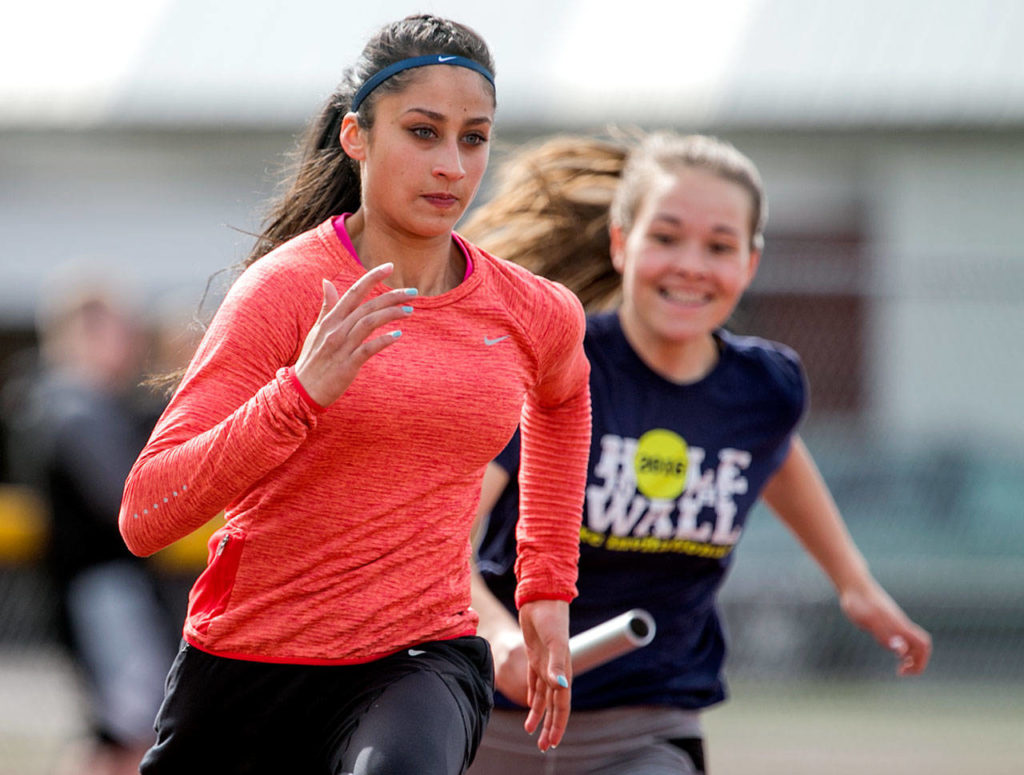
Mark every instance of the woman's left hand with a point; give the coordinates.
(545, 626)
(872, 609)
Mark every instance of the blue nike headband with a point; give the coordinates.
(379, 77)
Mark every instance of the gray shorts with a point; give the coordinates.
(620, 741)
(122, 643)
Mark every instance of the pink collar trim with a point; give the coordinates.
(338, 222)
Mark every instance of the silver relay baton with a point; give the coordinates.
(608, 640)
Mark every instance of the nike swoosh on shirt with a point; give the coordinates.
(488, 341)
(415, 652)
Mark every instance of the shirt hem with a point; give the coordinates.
(269, 659)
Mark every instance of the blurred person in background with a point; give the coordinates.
(691, 424)
(74, 429)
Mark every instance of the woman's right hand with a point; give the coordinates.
(337, 346)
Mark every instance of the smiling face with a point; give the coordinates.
(422, 160)
(686, 260)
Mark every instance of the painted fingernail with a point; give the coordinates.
(412, 291)
(407, 310)
(395, 334)
(898, 644)
(562, 682)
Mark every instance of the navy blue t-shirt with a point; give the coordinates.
(673, 472)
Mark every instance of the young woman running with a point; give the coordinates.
(342, 408)
(691, 424)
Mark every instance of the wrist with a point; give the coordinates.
(858, 584)
(293, 376)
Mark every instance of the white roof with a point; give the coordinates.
(560, 62)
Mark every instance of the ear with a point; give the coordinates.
(353, 138)
(618, 247)
(755, 260)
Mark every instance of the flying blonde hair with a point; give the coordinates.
(549, 213)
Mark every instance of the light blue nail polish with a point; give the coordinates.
(395, 334)
(406, 310)
(562, 682)
(412, 291)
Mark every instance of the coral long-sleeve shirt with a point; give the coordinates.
(347, 527)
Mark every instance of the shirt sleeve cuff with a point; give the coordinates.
(294, 379)
(533, 597)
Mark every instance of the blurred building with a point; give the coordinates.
(890, 134)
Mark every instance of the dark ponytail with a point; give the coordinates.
(323, 181)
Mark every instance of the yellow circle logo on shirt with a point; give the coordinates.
(660, 464)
